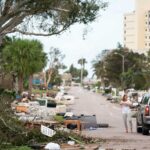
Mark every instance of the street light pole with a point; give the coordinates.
(123, 62)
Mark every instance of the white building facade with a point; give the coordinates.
(137, 27)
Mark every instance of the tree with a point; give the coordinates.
(135, 68)
(55, 78)
(23, 58)
(48, 17)
(6, 41)
(76, 73)
(82, 62)
(55, 62)
(99, 66)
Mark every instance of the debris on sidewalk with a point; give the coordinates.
(52, 146)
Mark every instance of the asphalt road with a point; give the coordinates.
(89, 103)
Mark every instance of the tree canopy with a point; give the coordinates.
(23, 58)
(45, 17)
(55, 63)
(108, 67)
(76, 73)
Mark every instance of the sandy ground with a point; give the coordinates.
(90, 103)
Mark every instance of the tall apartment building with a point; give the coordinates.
(137, 27)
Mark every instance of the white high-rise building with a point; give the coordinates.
(137, 27)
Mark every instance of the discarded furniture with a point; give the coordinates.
(86, 121)
(22, 109)
(38, 123)
(77, 122)
(46, 102)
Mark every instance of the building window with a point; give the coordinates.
(145, 44)
(146, 22)
(146, 37)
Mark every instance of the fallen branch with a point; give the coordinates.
(77, 141)
(6, 125)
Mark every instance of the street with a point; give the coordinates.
(89, 103)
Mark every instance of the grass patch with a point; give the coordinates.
(58, 118)
(18, 148)
(38, 91)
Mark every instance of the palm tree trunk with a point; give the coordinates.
(30, 83)
(20, 83)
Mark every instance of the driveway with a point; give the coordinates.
(89, 103)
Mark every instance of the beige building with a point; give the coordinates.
(137, 27)
(67, 79)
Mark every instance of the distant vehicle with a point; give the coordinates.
(109, 96)
(143, 115)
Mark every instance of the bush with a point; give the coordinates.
(17, 148)
(21, 148)
(107, 91)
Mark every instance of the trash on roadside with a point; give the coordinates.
(103, 125)
(71, 142)
(47, 131)
(52, 146)
(68, 114)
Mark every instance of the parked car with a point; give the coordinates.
(143, 115)
(109, 96)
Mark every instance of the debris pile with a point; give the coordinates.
(50, 115)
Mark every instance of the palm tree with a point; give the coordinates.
(39, 60)
(82, 62)
(99, 70)
(24, 57)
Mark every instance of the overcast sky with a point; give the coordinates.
(104, 33)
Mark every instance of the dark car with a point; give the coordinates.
(143, 115)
